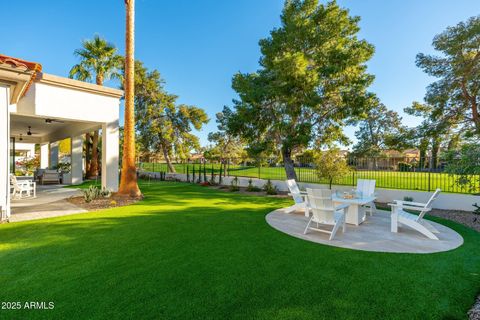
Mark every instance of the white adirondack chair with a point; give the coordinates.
(324, 212)
(298, 197)
(400, 216)
(23, 189)
(367, 189)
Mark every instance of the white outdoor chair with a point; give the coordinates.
(298, 197)
(23, 188)
(324, 212)
(400, 216)
(367, 189)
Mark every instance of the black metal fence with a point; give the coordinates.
(424, 174)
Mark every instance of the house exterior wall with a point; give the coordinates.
(4, 150)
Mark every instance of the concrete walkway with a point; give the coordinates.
(50, 202)
(372, 235)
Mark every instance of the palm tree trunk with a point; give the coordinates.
(128, 182)
(93, 170)
(88, 158)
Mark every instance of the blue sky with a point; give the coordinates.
(198, 45)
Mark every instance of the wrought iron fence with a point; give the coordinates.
(425, 174)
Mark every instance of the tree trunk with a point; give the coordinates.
(435, 151)
(171, 168)
(88, 158)
(288, 163)
(128, 182)
(93, 170)
(423, 153)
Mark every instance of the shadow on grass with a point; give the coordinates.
(190, 252)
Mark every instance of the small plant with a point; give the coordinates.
(94, 192)
(212, 180)
(409, 199)
(113, 203)
(105, 193)
(251, 187)
(91, 194)
(234, 185)
(269, 188)
(476, 211)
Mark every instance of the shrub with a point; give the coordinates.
(94, 192)
(91, 193)
(212, 180)
(404, 167)
(234, 185)
(410, 199)
(331, 165)
(251, 187)
(269, 188)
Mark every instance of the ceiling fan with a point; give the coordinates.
(21, 137)
(29, 132)
(50, 120)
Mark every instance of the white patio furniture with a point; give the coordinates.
(366, 188)
(400, 216)
(356, 210)
(22, 188)
(299, 197)
(324, 212)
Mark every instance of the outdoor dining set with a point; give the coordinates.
(329, 211)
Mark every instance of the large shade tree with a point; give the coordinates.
(162, 124)
(456, 93)
(377, 131)
(312, 79)
(128, 181)
(225, 146)
(99, 61)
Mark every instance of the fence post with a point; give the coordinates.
(259, 167)
(353, 178)
(429, 171)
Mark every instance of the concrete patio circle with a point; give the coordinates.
(372, 235)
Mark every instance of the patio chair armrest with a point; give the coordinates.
(402, 206)
(410, 203)
(342, 206)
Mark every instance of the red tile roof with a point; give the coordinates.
(16, 62)
(33, 66)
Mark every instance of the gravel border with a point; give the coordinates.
(474, 313)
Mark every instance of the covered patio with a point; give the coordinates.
(51, 201)
(40, 109)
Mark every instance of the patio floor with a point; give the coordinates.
(50, 202)
(372, 235)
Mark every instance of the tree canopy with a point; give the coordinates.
(456, 94)
(378, 130)
(162, 124)
(312, 79)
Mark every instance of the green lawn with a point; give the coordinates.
(190, 252)
(422, 181)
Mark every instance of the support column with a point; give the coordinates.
(53, 160)
(110, 146)
(4, 154)
(77, 159)
(44, 155)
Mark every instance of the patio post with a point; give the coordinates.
(44, 155)
(53, 160)
(77, 159)
(110, 155)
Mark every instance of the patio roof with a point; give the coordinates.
(19, 74)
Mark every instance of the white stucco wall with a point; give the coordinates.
(4, 148)
(57, 102)
(447, 201)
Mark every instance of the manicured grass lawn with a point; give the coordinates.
(189, 252)
(422, 181)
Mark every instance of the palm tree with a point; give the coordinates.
(99, 60)
(128, 181)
